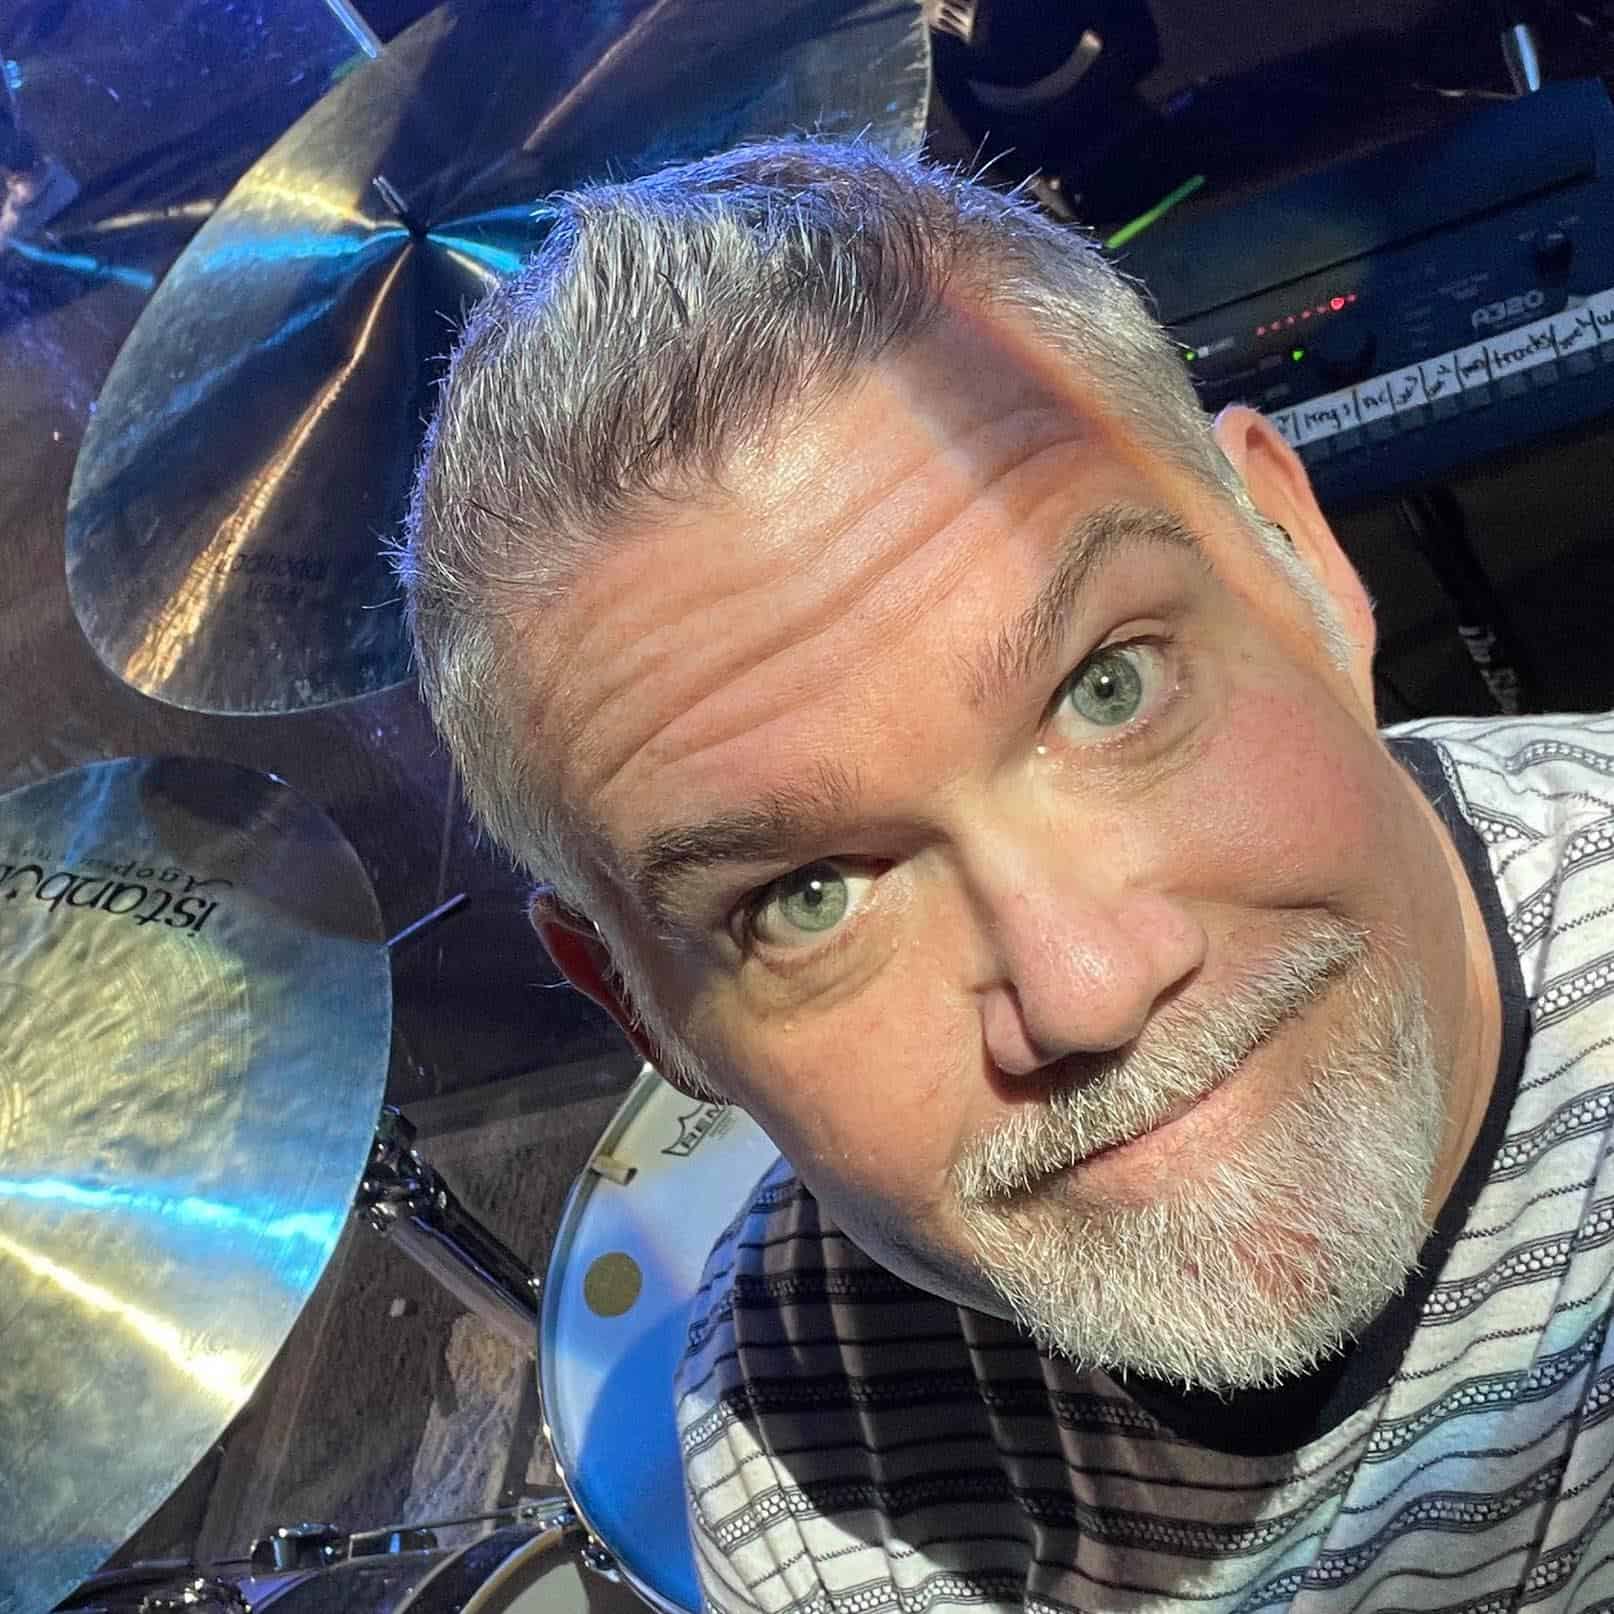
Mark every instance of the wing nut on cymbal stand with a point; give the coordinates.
(403, 1197)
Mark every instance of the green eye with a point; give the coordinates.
(813, 899)
(800, 908)
(1107, 688)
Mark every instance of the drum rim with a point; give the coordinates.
(547, 1538)
(646, 1085)
(546, 1541)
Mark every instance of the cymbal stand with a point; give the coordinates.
(403, 1197)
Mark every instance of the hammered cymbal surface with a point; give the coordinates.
(252, 448)
(195, 1018)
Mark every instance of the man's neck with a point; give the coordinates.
(1478, 1043)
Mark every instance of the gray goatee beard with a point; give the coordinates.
(1253, 1270)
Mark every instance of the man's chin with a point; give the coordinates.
(1243, 1240)
(1244, 1277)
(1272, 1322)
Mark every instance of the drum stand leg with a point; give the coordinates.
(403, 1197)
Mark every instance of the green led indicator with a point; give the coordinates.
(1297, 354)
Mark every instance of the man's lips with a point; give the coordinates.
(1170, 1119)
(1101, 1157)
(1268, 1016)
(1183, 1107)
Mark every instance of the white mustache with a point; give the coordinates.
(1119, 1097)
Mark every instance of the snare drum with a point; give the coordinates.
(668, 1176)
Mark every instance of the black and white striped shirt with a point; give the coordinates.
(852, 1444)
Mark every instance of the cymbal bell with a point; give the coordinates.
(195, 1017)
(254, 442)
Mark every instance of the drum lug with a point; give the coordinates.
(608, 1166)
(550, 1513)
(300, 1546)
(204, 1595)
(596, 1558)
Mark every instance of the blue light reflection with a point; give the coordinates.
(81, 263)
(318, 1230)
(232, 257)
(500, 261)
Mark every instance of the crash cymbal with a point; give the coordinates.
(195, 1011)
(254, 442)
(116, 142)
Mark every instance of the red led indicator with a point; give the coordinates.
(1283, 321)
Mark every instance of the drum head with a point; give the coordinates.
(381, 1584)
(515, 1571)
(378, 1585)
(668, 1176)
(521, 1569)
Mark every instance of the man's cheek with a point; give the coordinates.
(862, 1103)
(788, 1075)
(1282, 806)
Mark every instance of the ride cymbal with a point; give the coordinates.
(195, 1018)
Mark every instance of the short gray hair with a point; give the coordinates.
(663, 325)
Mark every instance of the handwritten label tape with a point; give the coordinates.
(1576, 330)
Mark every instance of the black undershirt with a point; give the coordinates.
(1260, 1423)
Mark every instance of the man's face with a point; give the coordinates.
(985, 815)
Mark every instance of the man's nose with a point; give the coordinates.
(1078, 956)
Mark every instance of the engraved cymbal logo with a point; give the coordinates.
(167, 895)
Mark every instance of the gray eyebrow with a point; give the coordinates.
(1037, 636)
(765, 830)
(770, 828)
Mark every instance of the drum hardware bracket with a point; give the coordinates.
(550, 1512)
(604, 1164)
(319, 1546)
(560, 1514)
(596, 1558)
(404, 1197)
(205, 1594)
(300, 1546)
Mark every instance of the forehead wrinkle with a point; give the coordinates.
(875, 576)
(625, 675)
(1023, 647)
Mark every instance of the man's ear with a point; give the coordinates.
(1281, 490)
(574, 943)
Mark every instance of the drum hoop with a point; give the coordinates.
(646, 1086)
(542, 1543)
